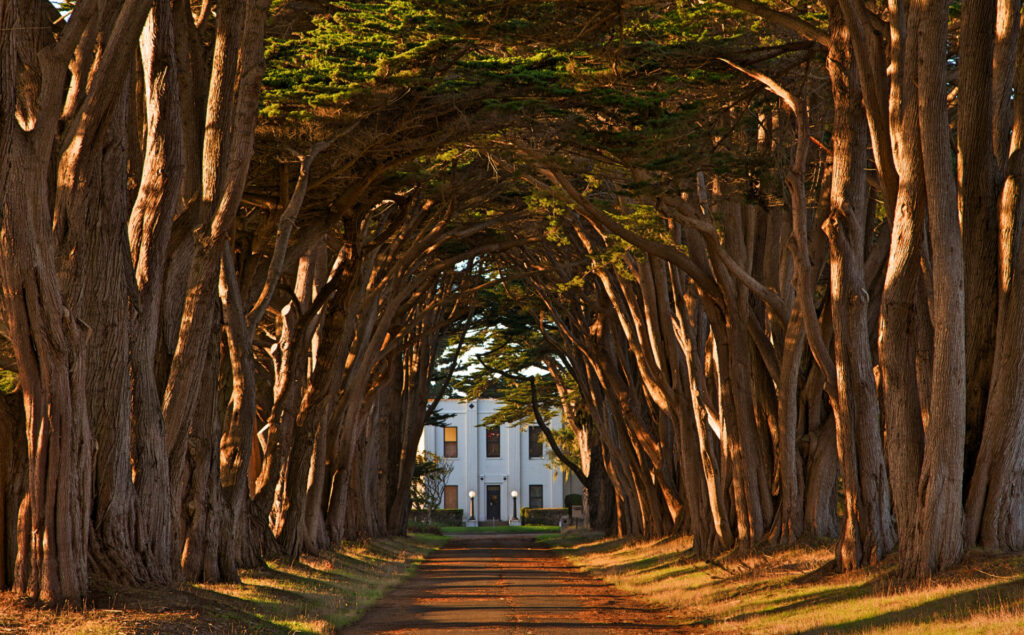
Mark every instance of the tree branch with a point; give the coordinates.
(539, 418)
(786, 21)
(576, 469)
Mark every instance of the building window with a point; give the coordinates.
(451, 442)
(451, 496)
(536, 496)
(536, 447)
(493, 443)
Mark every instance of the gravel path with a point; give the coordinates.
(507, 584)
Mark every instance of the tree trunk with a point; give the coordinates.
(821, 497)
(599, 497)
(53, 525)
(93, 208)
(13, 470)
(938, 537)
(995, 505)
(868, 535)
(976, 167)
(694, 330)
(149, 234)
(290, 376)
(231, 111)
(902, 408)
(239, 430)
(293, 499)
(739, 436)
(203, 510)
(788, 525)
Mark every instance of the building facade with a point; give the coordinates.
(492, 464)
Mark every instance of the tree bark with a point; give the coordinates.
(938, 537)
(203, 507)
(149, 235)
(868, 533)
(902, 415)
(978, 191)
(227, 149)
(994, 501)
(13, 471)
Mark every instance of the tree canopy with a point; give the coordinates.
(759, 257)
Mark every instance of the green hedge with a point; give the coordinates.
(573, 499)
(443, 517)
(424, 528)
(543, 515)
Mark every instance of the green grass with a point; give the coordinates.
(794, 590)
(313, 595)
(324, 594)
(502, 529)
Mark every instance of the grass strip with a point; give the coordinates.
(501, 529)
(796, 589)
(313, 595)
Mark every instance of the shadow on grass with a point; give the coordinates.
(958, 605)
(826, 596)
(131, 609)
(777, 588)
(334, 590)
(640, 567)
(585, 545)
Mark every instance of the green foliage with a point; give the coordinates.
(627, 98)
(567, 443)
(438, 418)
(8, 381)
(417, 527)
(517, 404)
(509, 343)
(638, 82)
(436, 518)
(543, 515)
(347, 52)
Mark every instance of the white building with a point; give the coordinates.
(494, 463)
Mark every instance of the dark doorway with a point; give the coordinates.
(494, 502)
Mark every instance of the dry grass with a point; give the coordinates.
(792, 590)
(314, 595)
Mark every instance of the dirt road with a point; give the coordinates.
(507, 584)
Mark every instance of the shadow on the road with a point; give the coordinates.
(508, 585)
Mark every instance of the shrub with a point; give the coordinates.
(424, 528)
(573, 499)
(543, 515)
(441, 517)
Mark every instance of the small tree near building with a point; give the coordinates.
(429, 480)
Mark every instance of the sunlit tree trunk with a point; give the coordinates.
(868, 533)
(50, 341)
(994, 501)
(149, 234)
(938, 537)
